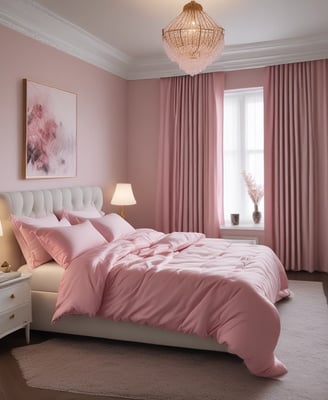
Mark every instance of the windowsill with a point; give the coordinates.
(246, 227)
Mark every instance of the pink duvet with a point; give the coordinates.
(187, 283)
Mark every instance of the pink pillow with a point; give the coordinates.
(112, 226)
(64, 244)
(25, 231)
(76, 217)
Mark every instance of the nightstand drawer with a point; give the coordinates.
(14, 295)
(13, 319)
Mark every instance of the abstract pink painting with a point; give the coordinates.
(50, 132)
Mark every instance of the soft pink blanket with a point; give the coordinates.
(186, 283)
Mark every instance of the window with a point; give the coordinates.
(243, 144)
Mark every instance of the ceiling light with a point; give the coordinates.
(193, 39)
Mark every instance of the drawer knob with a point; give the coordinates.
(12, 296)
(12, 316)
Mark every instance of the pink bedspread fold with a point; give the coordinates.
(186, 283)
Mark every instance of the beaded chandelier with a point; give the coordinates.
(193, 39)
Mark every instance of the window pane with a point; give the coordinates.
(231, 123)
(243, 150)
(254, 121)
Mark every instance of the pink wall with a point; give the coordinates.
(143, 130)
(246, 78)
(101, 114)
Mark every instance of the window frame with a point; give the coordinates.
(245, 217)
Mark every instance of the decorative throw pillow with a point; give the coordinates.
(25, 231)
(112, 226)
(64, 244)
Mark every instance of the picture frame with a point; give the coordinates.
(50, 132)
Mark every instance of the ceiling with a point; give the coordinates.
(124, 36)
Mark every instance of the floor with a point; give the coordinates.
(12, 384)
(315, 276)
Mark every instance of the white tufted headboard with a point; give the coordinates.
(38, 203)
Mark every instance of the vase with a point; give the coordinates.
(256, 215)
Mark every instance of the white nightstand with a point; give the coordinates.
(16, 306)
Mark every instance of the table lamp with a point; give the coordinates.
(123, 196)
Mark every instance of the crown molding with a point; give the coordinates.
(239, 57)
(33, 20)
(29, 18)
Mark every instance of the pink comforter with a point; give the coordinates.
(187, 283)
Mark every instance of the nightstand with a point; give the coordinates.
(16, 306)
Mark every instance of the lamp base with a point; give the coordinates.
(122, 212)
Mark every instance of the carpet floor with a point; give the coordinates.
(136, 371)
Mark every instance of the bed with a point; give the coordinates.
(50, 279)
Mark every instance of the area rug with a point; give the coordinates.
(146, 372)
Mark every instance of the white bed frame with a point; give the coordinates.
(42, 202)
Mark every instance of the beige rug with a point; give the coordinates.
(142, 372)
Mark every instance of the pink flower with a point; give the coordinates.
(36, 113)
(255, 191)
(50, 128)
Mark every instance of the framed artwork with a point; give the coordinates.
(50, 132)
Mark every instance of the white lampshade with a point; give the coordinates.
(123, 195)
(1, 230)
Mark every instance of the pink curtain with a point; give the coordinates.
(189, 195)
(296, 164)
